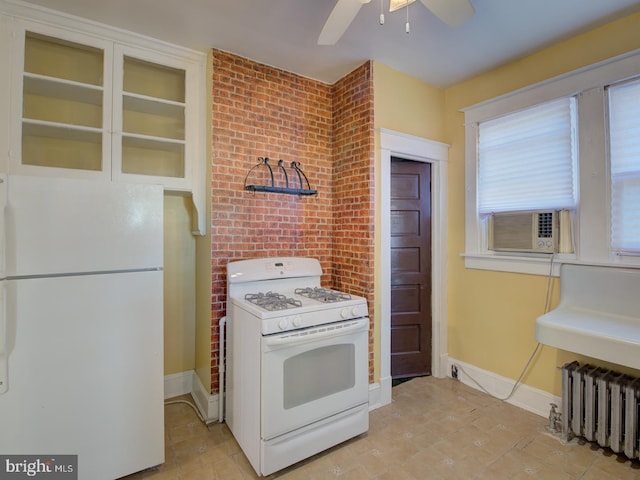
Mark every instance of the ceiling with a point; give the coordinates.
(284, 33)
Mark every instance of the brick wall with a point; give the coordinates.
(261, 111)
(353, 188)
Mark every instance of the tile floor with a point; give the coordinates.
(434, 429)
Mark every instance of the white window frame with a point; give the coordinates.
(622, 177)
(592, 217)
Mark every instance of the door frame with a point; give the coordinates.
(418, 149)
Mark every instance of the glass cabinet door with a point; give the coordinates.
(63, 94)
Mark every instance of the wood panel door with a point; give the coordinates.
(410, 268)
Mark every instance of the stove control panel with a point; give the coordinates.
(318, 316)
(353, 312)
(279, 267)
(290, 323)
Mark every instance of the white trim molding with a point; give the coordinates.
(528, 398)
(591, 227)
(177, 384)
(421, 150)
(206, 403)
(375, 396)
(185, 383)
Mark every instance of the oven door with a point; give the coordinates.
(311, 374)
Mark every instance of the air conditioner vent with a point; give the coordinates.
(545, 225)
(535, 231)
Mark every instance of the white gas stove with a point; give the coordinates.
(297, 361)
(285, 293)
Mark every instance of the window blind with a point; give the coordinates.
(526, 160)
(624, 144)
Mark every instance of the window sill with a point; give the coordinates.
(538, 264)
(531, 264)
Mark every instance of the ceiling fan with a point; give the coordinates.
(452, 12)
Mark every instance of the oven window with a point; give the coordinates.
(318, 373)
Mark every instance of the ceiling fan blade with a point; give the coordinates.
(340, 18)
(452, 12)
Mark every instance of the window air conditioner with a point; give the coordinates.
(534, 232)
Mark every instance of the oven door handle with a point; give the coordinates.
(314, 334)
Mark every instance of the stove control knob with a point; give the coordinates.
(355, 311)
(344, 313)
(282, 324)
(296, 322)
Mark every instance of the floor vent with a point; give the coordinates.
(601, 406)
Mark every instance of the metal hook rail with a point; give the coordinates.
(295, 166)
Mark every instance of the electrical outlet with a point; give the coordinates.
(454, 372)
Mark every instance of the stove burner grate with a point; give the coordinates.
(272, 301)
(322, 294)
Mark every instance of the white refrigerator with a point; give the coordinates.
(81, 323)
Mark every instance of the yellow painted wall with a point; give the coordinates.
(203, 266)
(179, 285)
(492, 314)
(408, 105)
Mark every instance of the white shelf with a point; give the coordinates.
(153, 105)
(42, 85)
(153, 157)
(153, 117)
(152, 143)
(39, 128)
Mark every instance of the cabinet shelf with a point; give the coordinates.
(66, 60)
(152, 105)
(149, 141)
(44, 86)
(152, 156)
(62, 101)
(49, 144)
(153, 117)
(63, 131)
(152, 80)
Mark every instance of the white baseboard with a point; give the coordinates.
(178, 384)
(380, 393)
(374, 396)
(206, 403)
(188, 382)
(526, 397)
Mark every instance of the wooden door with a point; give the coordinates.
(410, 268)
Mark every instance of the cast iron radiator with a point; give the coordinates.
(601, 406)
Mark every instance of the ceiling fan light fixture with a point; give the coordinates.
(398, 4)
(452, 12)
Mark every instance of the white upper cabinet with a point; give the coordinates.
(62, 104)
(151, 137)
(88, 101)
